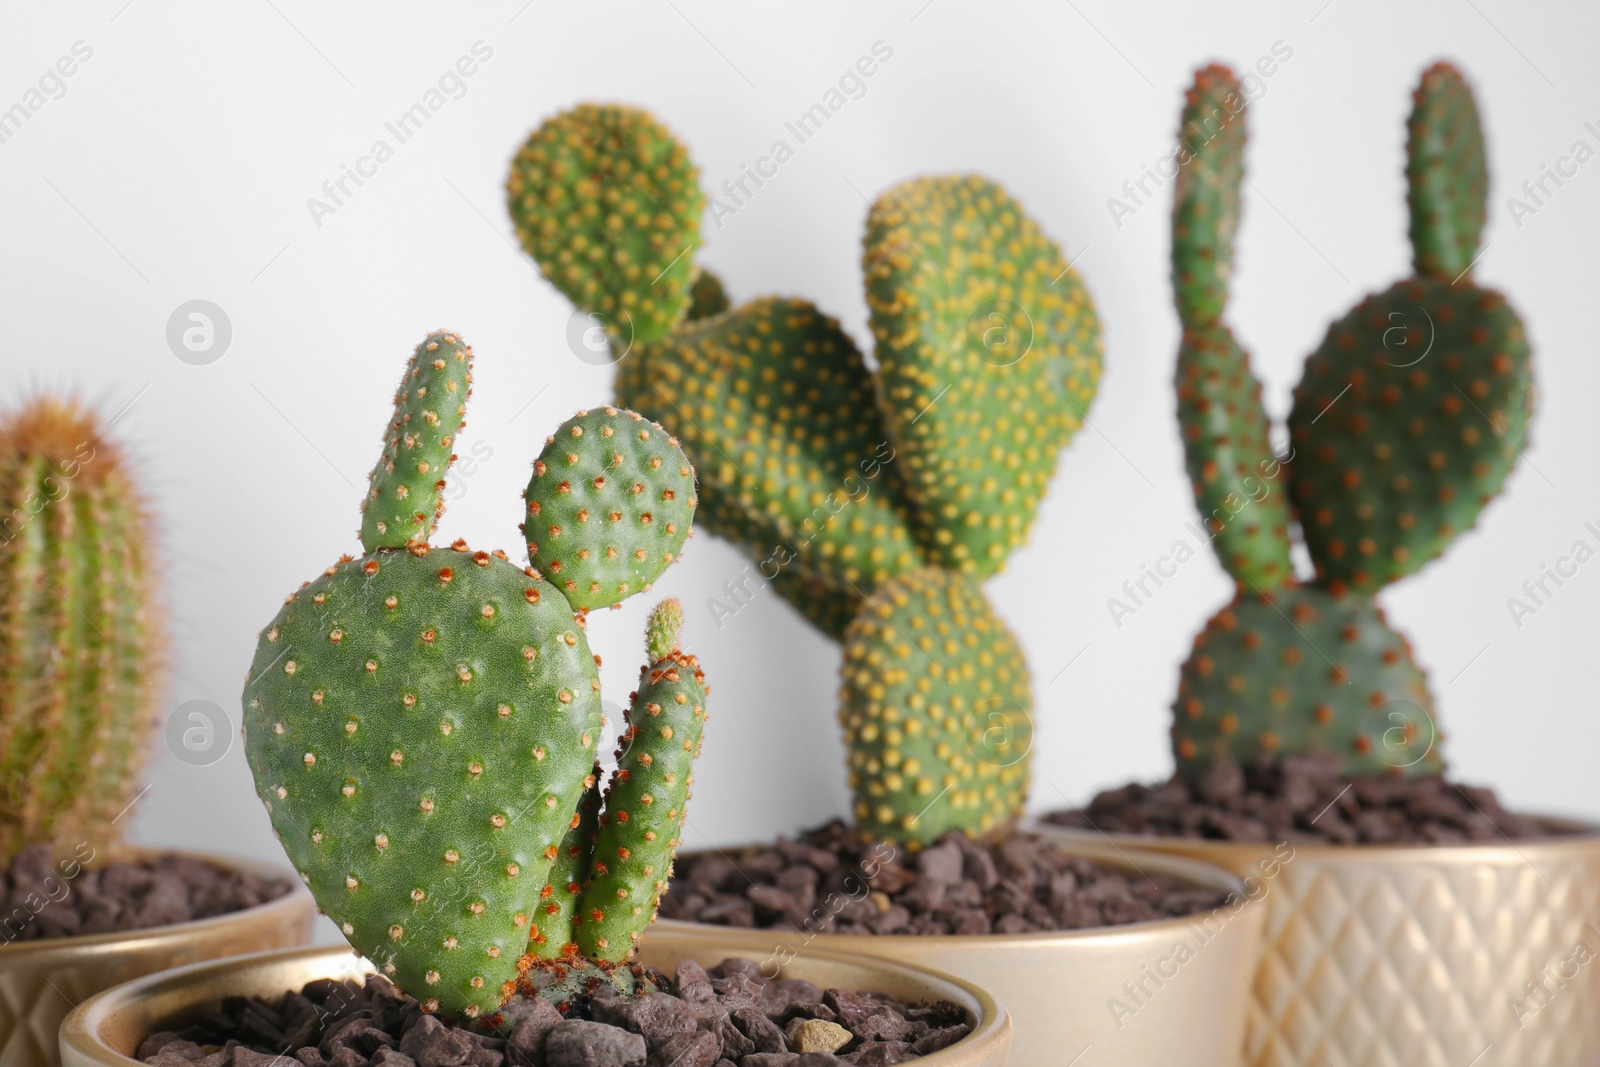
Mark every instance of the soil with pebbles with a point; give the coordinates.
(729, 1017)
(44, 894)
(1305, 798)
(827, 881)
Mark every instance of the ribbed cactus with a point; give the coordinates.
(851, 488)
(83, 642)
(422, 722)
(1408, 419)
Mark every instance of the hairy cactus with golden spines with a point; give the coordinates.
(866, 497)
(1407, 421)
(83, 642)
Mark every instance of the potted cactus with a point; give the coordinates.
(83, 651)
(876, 502)
(423, 725)
(1405, 907)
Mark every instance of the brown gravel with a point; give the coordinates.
(1304, 798)
(825, 881)
(731, 1015)
(48, 894)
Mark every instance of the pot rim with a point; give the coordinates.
(1110, 853)
(298, 898)
(82, 1028)
(1563, 832)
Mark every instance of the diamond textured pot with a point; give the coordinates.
(41, 981)
(1416, 956)
(106, 1030)
(1119, 994)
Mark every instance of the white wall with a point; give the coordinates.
(179, 162)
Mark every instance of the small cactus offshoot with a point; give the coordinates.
(1407, 421)
(422, 722)
(851, 487)
(83, 642)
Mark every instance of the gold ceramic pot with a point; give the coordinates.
(41, 981)
(106, 1030)
(1418, 956)
(1166, 992)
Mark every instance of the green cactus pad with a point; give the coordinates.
(937, 711)
(776, 407)
(420, 725)
(706, 297)
(1406, 422)
(989, 355)
(1306, 671)
(405, 496)
(1446, 174)
(552, 922)
(1205, 206)
(83, 644)
(1237, 479)
(608, 507)
(608, 204)
(642, 824)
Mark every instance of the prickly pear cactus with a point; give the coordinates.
(406, 492)
(608, 506)
(1205, 207)
(1407, 421)
(989, 355)
(642, 825)
(778, 405)
(838, 481)
(608, 204)
(937, 711)
(1304, 671)
(83, 642)
(422, 725)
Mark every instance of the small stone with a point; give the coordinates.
(581, 1043)
(432, 1044)
(697, 1049)
(814, 1035)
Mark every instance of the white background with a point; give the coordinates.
(179, 162)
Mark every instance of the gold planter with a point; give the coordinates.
(41, 981)
(1416, 956)
(106, 1030)
(1166, 992)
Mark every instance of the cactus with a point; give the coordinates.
(83, 644)
(1406, 422)
(422, 722)
(936, 710)
(607, 203)
(989, 354)
(857, 492)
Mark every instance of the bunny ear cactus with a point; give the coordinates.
(989, 355)
(876, 502)
(422, 723)
(1406, 423)
(608, 204)
(83, 646)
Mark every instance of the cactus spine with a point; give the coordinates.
(1405, 424)
(83, 644)
(862, 495)
(422, 723)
